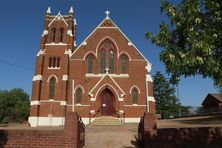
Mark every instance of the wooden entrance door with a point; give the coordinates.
(107, 103)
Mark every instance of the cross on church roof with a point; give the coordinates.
(107, 14)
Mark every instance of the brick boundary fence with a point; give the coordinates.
(72, 136)
(151, 137)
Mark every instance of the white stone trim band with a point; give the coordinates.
(35, 102)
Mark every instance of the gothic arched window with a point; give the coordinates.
(61, 30)
(124, 64)
(134, 96)
(78, 95)
(53, 34)
(111, 61)
(102, 61)
(90, 64)
(52, 88)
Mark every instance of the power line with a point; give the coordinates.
(16, 65)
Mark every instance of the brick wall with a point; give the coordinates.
(71, 137)
(203, 137)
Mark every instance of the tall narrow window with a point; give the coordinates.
(123, 64)
(58, 62)
(78, 95)
(102, 61)
(50, 62)
(53, 34)
(90, 64)
(52, 88)
(134, 96)
(61, 30)
(111, 61)
(54, 62)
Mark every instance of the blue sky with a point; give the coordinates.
(22, 25)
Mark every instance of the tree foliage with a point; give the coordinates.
(192, 40)
(14, 105)
(166, 102)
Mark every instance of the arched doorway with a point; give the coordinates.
(107, 101)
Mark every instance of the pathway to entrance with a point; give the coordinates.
(111, 136)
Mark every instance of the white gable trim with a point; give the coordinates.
(79, 86)
(134, 86)
(123, 93)
(51, 77)
(59, 14)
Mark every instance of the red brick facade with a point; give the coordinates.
(71, 78)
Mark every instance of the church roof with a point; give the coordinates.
(213, 97)
(108, 23)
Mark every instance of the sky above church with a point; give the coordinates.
(21, 27)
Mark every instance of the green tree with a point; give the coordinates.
(166, 102)
(14, 105)
(192, 40)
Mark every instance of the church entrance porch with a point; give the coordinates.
(107, 103)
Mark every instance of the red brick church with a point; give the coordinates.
(106, 75)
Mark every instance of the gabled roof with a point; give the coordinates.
(213, 97)
(59, 17)
(108, 23)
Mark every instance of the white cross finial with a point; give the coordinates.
(107, 70)
(107, 14)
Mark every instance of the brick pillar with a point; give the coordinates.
(71, 130)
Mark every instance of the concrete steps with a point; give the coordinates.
(107, 120)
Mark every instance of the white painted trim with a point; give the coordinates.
(69, 32)
(56, 44)
(59, 14)
(69, 52)
(149, 78)
(63, 103)
(52, 75)
(121, 111)
(36, 102)
(120, 99)
(151, 99)
(134, 105)
(130, 44)
(41, 52)
(134, 86)
(83, 91)
(132, 120)
(37, 78)
(92, 111)
(79, 105)
(84, 43)
(54, 68)
(92, 99)
(112, 75)
(148, 68)
(45, 32)
(45, 121)
(65, 77)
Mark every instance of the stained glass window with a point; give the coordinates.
(52, 88)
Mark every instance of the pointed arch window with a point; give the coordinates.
(61, 30)
(53, 34)
(135, 96)
(111, 61)
(52, 88)
(102, 61)
(124, 64)
(78, 95)
(90, 64)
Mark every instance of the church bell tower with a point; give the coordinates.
(49, 88)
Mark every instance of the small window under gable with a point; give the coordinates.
(90, 64)
(124, 64)
(135, 96)
(79, 95)
(61, 30)
(53, 34)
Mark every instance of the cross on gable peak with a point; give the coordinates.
(107, 14)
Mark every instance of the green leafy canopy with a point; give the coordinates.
(192, 41)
